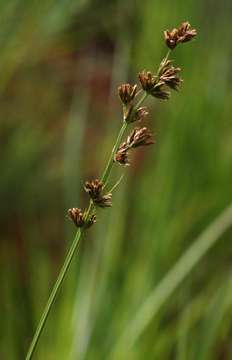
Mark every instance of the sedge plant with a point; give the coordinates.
(156, 85)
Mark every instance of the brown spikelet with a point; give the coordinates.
(170, 74)
(140, 137)
(94, 189)
(153, 85)
(76, 215)
(127, 93)
(147, 80)
(121, 156)
(181, 35)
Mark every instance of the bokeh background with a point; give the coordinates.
(124, 298)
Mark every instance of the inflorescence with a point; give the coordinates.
(157, 85)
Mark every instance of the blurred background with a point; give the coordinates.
(61, 63)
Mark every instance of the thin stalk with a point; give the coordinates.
(110, 163)
(75, 243)
(69, 256)
(116, 184)
(53, 294)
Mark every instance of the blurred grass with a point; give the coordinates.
(61, 63)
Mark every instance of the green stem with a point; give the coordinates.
(69, 257)
(74, 245)
(110, 163)
(53, 294)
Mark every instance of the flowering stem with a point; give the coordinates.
(75, 243)
(172, 41)
(69, 256)
(117, 143)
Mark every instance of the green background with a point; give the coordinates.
(61, 63)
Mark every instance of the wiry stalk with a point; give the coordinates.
(151, 85)
(74, 245)
(53, 294)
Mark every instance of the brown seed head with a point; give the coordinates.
(127, 93)
(159, 91)
(153, 85)
(140, 137)
(76, 215)
(79, 218)
(183, 34)
(169, 75)
(94, 189)
(121, 156)
(147, 80)
(171, 38)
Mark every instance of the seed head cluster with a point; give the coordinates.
(138, 137)
(158, 85)
(169, 75)
(181, 35)
(127, 93)
(77, 216)
(121, 156)
(94, 189)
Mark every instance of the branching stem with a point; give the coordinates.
(76, 241)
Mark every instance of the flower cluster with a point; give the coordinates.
(138, 137)
(157, 85)
(168, 75)
(94, 189)
(127, 93)
(152, 85)
(181, 35)
(79, 219)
